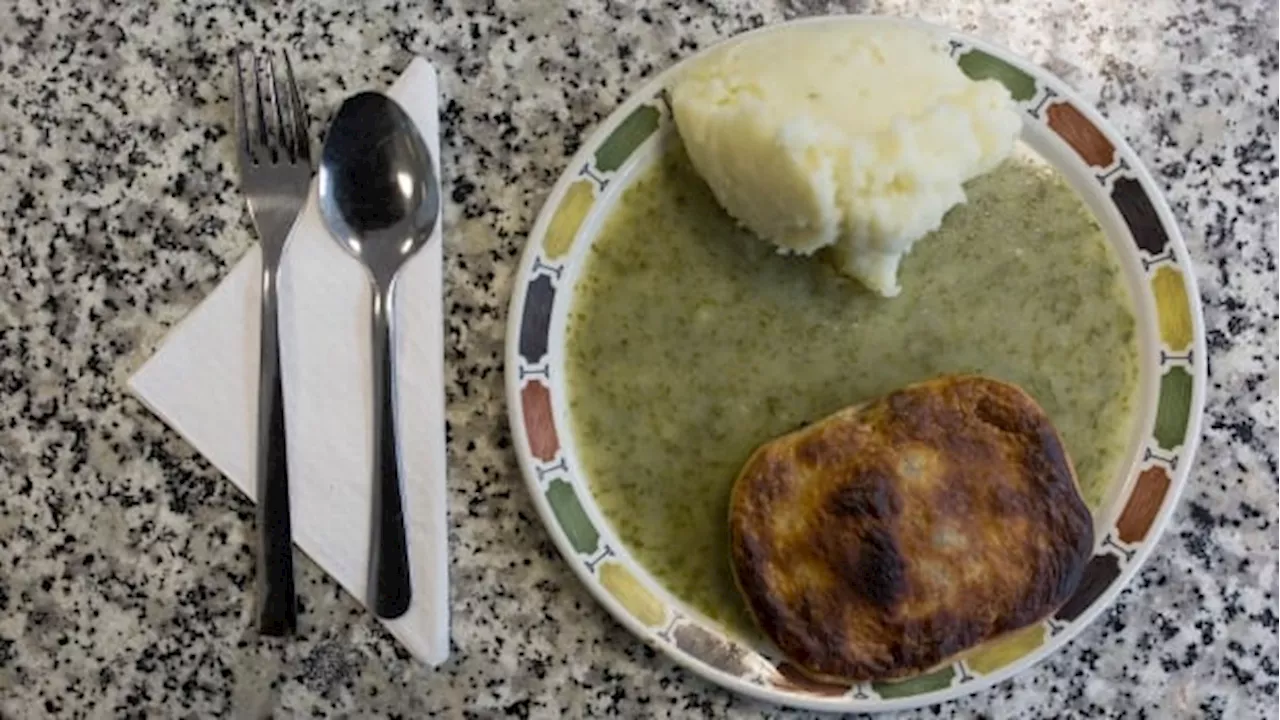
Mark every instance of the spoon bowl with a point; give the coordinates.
(377, 186)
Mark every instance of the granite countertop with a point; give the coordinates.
(124, 556)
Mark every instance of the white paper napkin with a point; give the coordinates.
(203, 382)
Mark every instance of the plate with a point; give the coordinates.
(1104, 172)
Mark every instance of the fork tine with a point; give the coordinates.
(302, 144)
(243, 139)
(264, 125)
(284, 143)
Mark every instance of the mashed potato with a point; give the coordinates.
(856, 139)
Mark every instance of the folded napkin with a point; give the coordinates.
(203, 382)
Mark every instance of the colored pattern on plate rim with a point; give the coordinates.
(560, 493)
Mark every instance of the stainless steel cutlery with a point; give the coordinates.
(274, 156)
(380, 198)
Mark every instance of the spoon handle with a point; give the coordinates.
(392, 589)
(277, 608)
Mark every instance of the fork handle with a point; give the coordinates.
(277, 606)
(392, 587)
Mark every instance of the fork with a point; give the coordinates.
(275, 170)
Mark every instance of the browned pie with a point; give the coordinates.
(889, 537)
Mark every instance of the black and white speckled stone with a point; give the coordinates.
(124, 557)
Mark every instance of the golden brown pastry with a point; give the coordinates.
(887, 538)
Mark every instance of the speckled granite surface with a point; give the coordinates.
(124, 556)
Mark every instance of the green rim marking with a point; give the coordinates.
(572, 518)
(936, 680)
(981, 66)
(1174, 411)
(625, 138)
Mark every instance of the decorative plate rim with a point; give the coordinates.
(1172, 253)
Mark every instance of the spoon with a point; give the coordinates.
(380, 198)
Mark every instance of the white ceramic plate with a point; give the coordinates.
(1103, 170)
